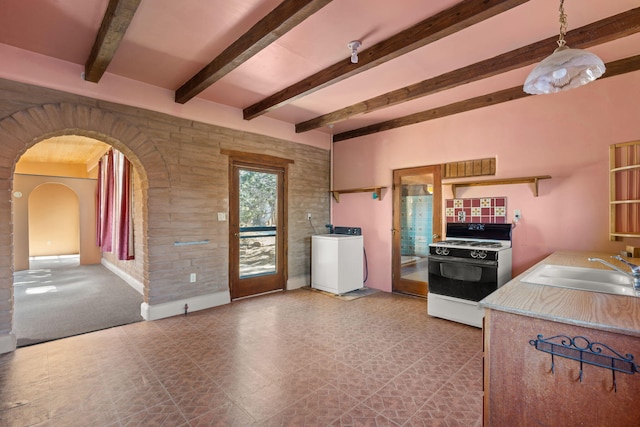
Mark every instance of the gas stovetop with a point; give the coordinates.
(475, 244)
(473, 240)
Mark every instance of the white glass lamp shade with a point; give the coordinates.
(565, 69)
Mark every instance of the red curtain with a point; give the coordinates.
(125, 219)
(114, 223)
(105, 202)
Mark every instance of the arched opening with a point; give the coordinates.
(26, 128)
(61, 287)
(54, 221)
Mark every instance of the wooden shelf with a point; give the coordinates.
(624, 190)
(376, 190)
(625, 234)
(622, 202)
(523, 180)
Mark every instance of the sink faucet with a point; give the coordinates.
(635, 269)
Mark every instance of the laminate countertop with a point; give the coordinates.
(613, 313)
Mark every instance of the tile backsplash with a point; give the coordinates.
(486, 209)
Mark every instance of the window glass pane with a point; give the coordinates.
(258, 221)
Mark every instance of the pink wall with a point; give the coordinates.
(565, 135)
(85, 191)
(32, 68)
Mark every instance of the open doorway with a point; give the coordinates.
(416, 224)
(54, 221)
(61, 287)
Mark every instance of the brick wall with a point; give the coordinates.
(181, 184)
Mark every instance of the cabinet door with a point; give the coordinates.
(521, 390)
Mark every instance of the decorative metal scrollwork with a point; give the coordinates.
(585, 351)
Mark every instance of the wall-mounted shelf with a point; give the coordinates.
(624, 190)
(376, 190)
(524, 180)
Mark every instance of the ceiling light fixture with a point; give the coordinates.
(565, 68)
(354, 45)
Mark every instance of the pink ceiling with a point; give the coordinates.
(169, 41)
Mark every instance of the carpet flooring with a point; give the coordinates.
(57, 298)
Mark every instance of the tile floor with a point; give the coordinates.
(298, 358)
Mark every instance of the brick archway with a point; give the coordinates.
(25, 128)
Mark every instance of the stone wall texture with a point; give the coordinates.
(181, 184)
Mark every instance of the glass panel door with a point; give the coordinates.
(417, 223)
(256, 230)
(258, 223)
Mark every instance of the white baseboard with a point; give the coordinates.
(175, 308)
(7, 343)
(133, 282)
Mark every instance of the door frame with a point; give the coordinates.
(396, 251)
(268, 164)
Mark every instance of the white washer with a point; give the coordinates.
(336, 263)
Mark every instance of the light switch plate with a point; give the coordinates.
(222, 216)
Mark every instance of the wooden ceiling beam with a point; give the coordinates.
(614, 27)
(114, 25)
(445, 23)
(274, 25)
(614, 68)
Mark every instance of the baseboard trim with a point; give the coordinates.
(133, 282)
(7, 343)
(175, 308)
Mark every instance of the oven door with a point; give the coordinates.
(463, 278)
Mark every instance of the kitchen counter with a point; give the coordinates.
(607, 312)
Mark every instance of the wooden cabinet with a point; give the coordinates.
(520, 388)
(624, 181)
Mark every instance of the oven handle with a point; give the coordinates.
(469, 261)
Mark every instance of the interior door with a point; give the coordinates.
(417, 217)
(256, 229)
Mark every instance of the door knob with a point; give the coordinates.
(436, 236)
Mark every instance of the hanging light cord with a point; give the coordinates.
(563, 25)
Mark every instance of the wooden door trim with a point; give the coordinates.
(256, 158)
(268, 164)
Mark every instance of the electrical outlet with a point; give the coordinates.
(192, 277)
(517, 215)
(308, 216)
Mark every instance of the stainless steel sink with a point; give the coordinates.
(585, 279)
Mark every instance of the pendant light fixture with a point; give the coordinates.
(565, 69)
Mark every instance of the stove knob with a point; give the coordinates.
(474, 254)
(482, 254)
(438, 251)
(445, 251)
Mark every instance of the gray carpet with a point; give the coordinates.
(58, 298)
